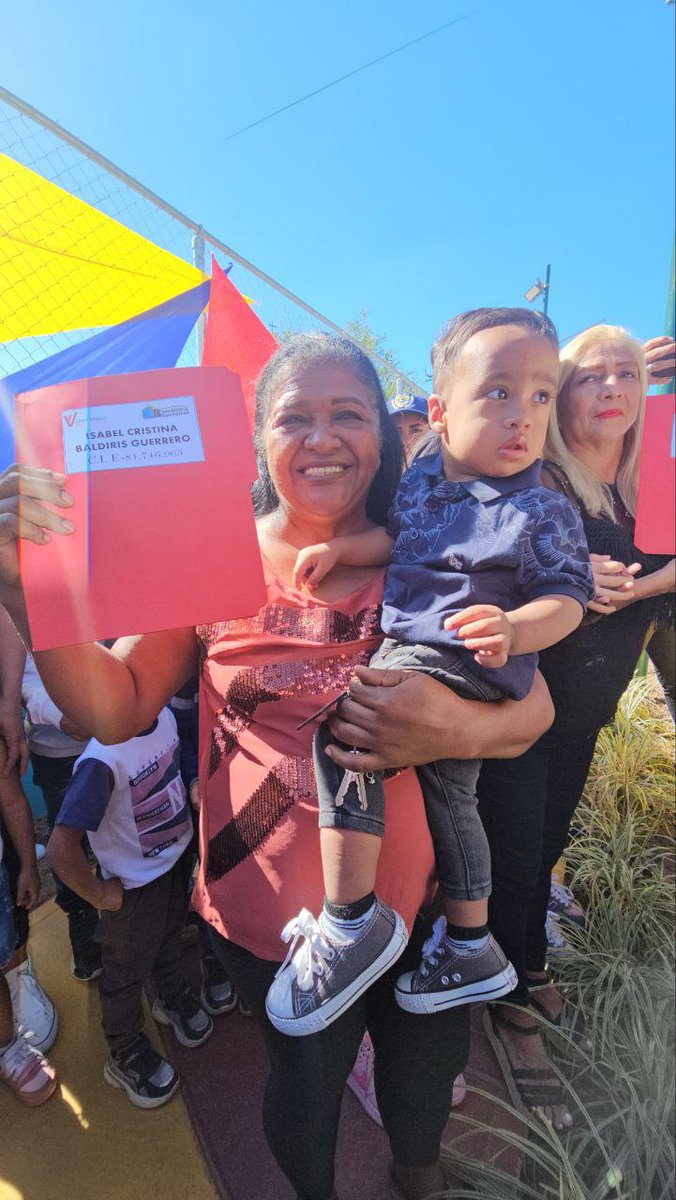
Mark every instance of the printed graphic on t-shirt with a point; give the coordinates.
(159, 803)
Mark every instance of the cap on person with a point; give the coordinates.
(407, 402)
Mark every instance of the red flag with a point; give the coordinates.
(235, 337)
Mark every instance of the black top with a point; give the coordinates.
(589, 670)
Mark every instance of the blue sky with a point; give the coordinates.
(441, 179)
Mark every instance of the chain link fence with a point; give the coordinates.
(38, 143)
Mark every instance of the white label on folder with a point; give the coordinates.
(111, 437)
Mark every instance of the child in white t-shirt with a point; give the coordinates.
(131, 802)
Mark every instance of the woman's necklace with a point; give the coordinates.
(622, 514)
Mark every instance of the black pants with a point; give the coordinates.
(663, 654)
(142, 940)
(52, 776)
(526, 805)
(417, 1059)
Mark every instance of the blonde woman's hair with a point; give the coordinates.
(595, 495)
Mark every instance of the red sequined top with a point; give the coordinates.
(259, 839)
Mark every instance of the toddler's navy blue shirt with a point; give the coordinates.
(486, 541)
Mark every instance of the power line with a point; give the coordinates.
(348, 75)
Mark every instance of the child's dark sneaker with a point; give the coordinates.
(217, 993)
(87, 966)
(322, 975)
(147, 1078)
(448, 977)
(192, 1025)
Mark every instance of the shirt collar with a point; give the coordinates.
(486, 487)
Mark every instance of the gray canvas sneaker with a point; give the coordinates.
(321, 977)
(446, 979)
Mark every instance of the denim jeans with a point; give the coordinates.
(526, 805)
(7, 927)
(449, 785)
(12, 864)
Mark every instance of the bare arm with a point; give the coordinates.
(544, 622)
(618, 591)
(12, 660)
(660, 359)
(17, 817)
(658, 583)
(67, 859)
(378, 718)
(114, 694)
(372, 548)
(496, 635)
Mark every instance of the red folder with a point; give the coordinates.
(156, 546)
(656, 505)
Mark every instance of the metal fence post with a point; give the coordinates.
(198, 261)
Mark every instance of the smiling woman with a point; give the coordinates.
(527, 805)
(322, 445)
(329, 460)
(351, 419)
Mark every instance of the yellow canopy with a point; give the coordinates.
(65, 265)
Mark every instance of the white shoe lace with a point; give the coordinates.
(432, 947)
(308, 959)
(19, 1061)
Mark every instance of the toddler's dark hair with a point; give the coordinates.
(456, 334)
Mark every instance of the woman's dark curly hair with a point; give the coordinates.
(309, 349)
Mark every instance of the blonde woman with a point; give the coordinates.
(527, 804)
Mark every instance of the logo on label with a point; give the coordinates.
(150, 413)
(70, 418)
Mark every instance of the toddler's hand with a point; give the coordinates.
(313, 563)
(486, 629)
(112, 895)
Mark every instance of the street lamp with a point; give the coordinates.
(540, 289)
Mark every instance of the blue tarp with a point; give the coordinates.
(148, 342)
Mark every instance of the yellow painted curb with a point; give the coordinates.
(88, 1142)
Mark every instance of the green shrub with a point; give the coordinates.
(618, 978)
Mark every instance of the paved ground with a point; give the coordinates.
(231, 1067)
(88, 1140)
